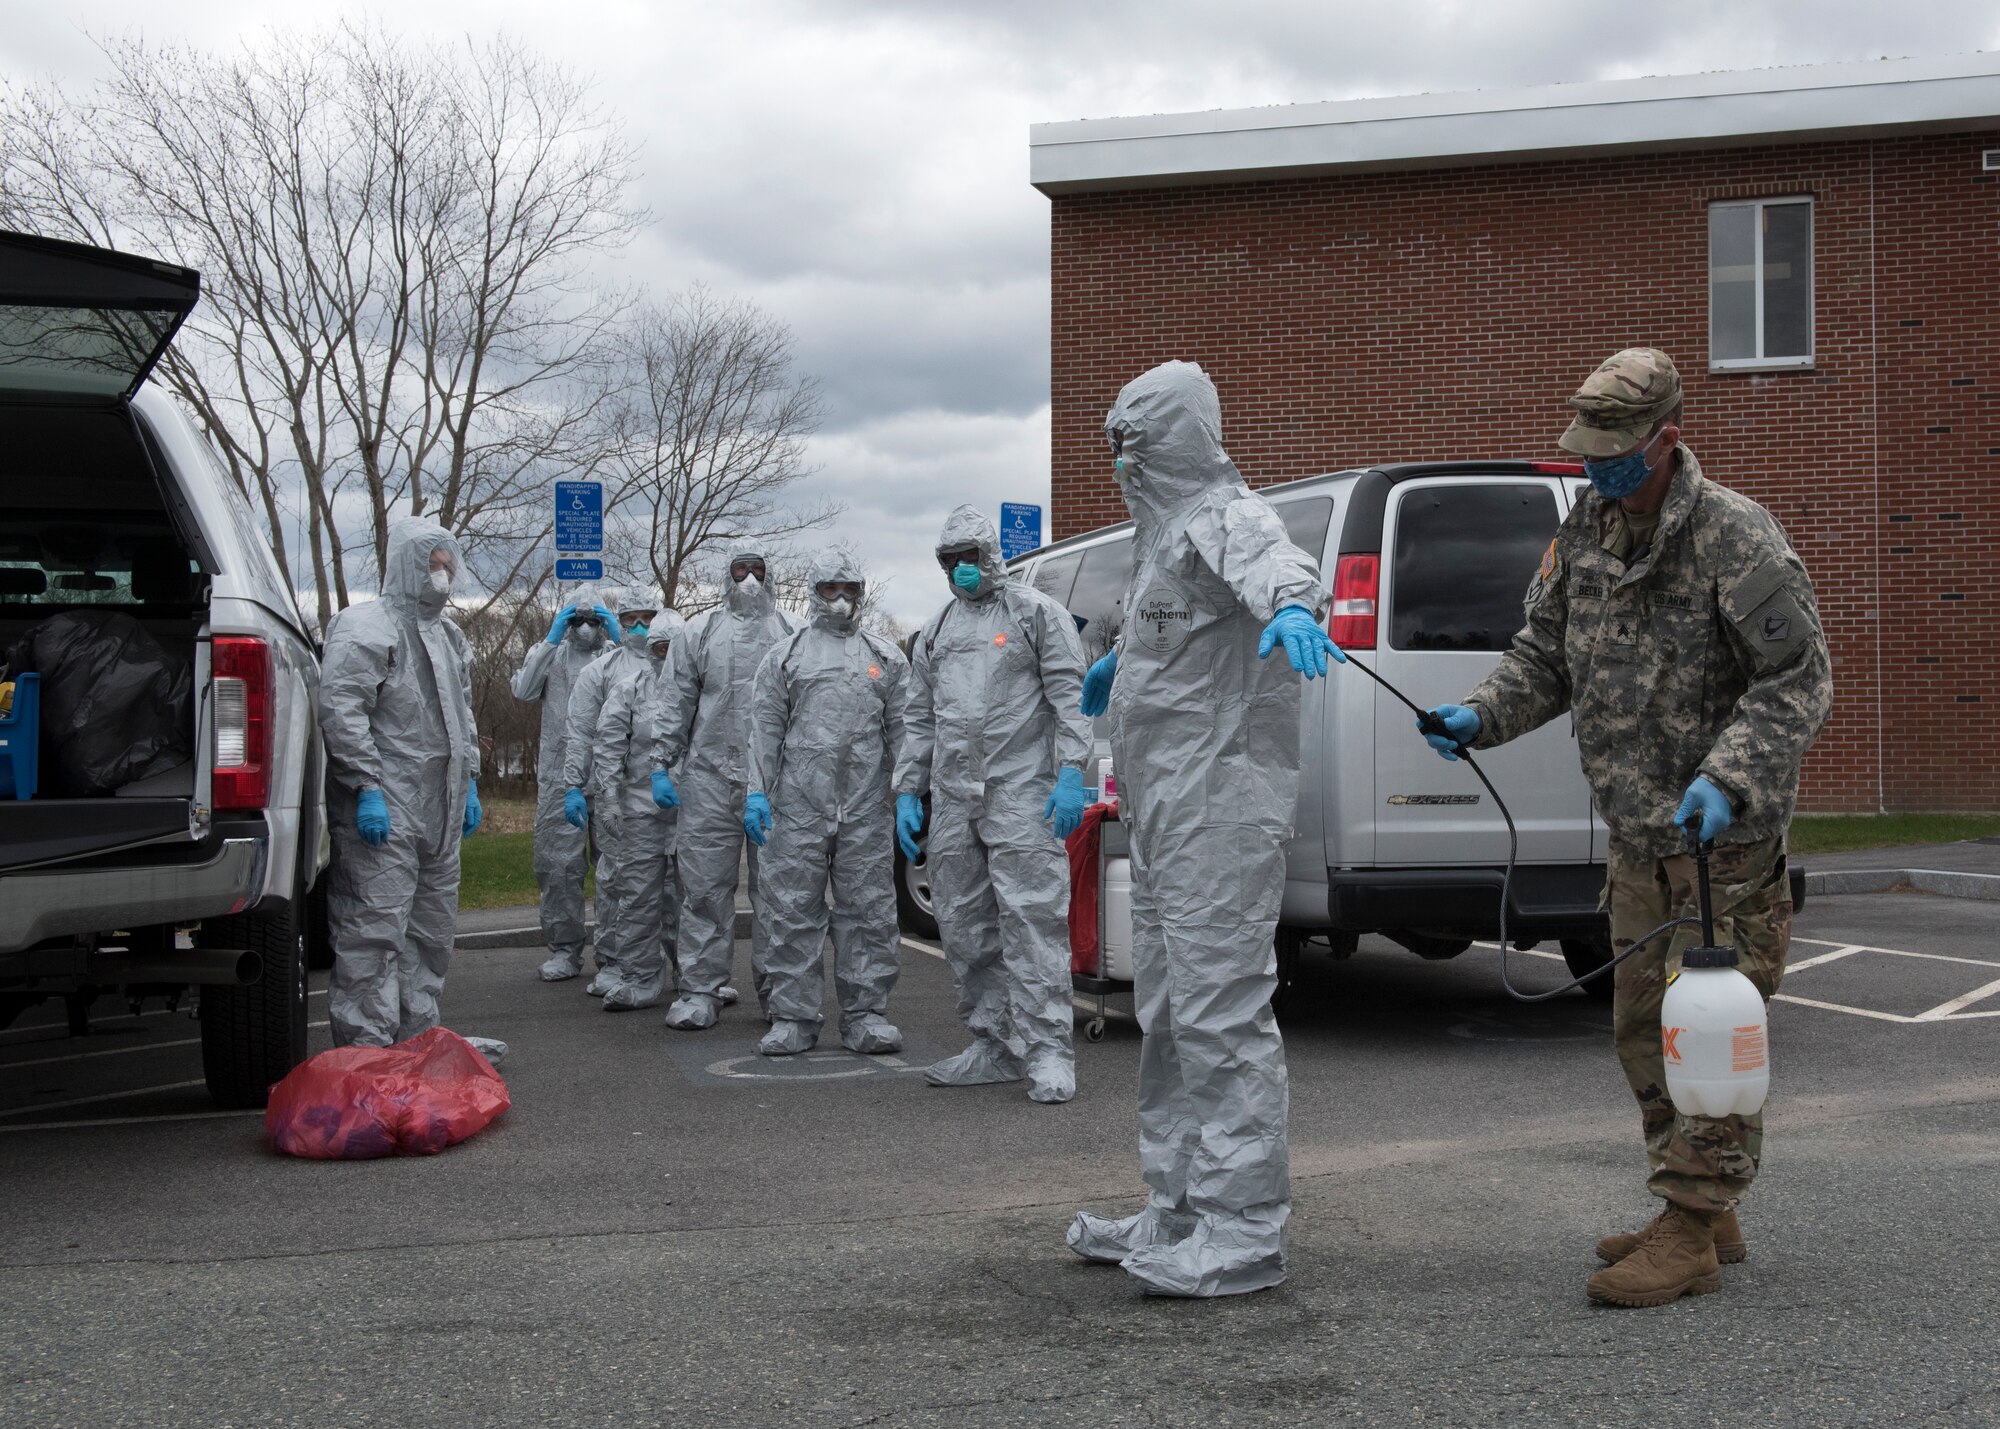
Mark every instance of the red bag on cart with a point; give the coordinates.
(1083, 891)
(412, 1099)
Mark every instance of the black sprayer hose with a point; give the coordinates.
(1428, 723)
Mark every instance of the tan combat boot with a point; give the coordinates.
(1730, 1247)
(1676, 1258)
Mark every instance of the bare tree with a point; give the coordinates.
(707, 439)
(394, 243)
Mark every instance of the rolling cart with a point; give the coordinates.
(1113, 970)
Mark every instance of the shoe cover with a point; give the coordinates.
(605, 980)
(1051, 1078)
(491, 1048)
(562, 967)
(787, 1038)
(691, 1013)
(871, 1033)
(978, 1065)
(726, 996)
(1109, 1242)
(1222, 1255)
(630, 996)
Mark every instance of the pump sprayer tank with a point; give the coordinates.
(1714, 1034)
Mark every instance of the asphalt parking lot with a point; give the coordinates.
(666, 1229)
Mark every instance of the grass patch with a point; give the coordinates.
(498, 871)
(1839, 833)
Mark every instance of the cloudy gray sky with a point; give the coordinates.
(859, 167)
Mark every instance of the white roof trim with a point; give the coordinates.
(1834, 101)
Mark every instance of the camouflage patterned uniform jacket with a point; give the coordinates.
(1704, 657)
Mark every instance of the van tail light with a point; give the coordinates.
(1557, 468)
(241, 670)
(1355, 581)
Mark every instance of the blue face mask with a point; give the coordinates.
(1619, 476)
(965, 577)
(638, 628)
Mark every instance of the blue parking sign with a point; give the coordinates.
(579, 568)
(1020, 529)
(579, 517)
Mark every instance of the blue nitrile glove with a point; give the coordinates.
(371, 816)
(1066, 801)
(473, 813)
(1711, 803)
(664, 793)
(1097, 685)
(611, 625)
(1461, 724)
(909, 823)
(559, 627)
(1306, 644)
(757, 818)
(576, 808)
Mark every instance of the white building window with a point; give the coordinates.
(1760, 284)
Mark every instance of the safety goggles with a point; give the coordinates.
(833, 590)
(580, 621)
(740, 569)
(630, 618)
(1117, 440)
(963, 556)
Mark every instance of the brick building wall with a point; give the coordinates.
(1445, 314)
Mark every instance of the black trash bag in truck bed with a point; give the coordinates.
(116, 704)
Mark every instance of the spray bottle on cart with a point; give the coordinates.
(1713, 1027)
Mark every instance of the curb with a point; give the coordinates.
(532, 935)
(1982, 887)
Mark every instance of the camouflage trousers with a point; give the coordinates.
(1705, 1163)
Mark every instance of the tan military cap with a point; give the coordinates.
(1619, 403)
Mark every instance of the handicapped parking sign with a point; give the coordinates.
(579, 518)
(1020, 529)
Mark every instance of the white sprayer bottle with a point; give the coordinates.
(1714, 1033)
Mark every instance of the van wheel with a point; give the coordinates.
(251, 1036)
(1429, 946)
(1586, 956)
(914, 911)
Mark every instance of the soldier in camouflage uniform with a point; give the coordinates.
(1672, 617)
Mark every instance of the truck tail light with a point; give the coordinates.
(1355, 581)
(1557, 468)
(241, 671)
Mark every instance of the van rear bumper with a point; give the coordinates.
(1545, 901)
(57, 902)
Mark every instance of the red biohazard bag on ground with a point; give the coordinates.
(412, 1099)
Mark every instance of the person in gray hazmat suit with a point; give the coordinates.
(628, 652)
(638, 834)
(704, 731)
(576, 637)
(826, 730)
(1205, 734)
(395, 711)
(997, 739)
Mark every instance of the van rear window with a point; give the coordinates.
(1098, 598)
(1464, 557)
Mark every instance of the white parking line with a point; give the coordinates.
(937, 953)
(1946, 1009)
(1842, 1007)
(120, 1051)
(102, 1097)
(1845, 950)
(129, 1120)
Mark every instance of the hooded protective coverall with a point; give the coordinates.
(826, 728)
(638, 834)
(1206, 740)
(993, 716)
(549, 674)
(704, 729)
(395, 710)
(586, 702)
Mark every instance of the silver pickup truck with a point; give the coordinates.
(201, 869)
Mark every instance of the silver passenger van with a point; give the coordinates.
(1429, 563)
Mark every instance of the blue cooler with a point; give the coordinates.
(20, 739)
